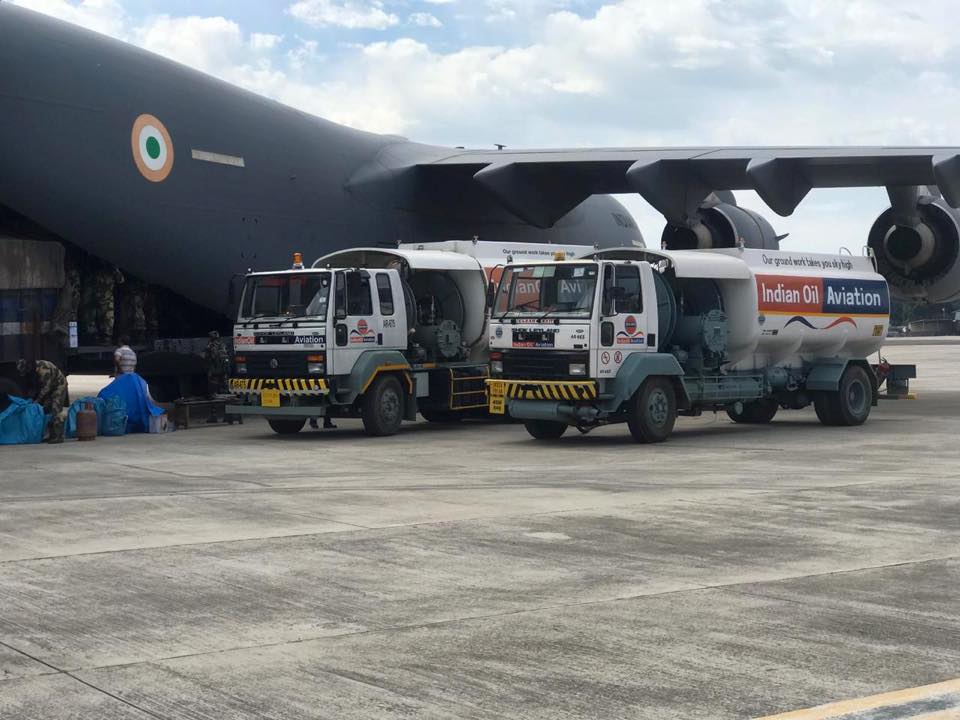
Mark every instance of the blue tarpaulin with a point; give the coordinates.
(132, 389)
(22, 423)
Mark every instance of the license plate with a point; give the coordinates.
(269, 398)
(497, 405)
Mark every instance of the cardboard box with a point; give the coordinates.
(160, 424)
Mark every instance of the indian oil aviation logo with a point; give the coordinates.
(362, 333)
(152, 148)
(834, 299)
(631, 334)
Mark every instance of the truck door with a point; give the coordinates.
(624, 327)
(391, 309)
(358, 325)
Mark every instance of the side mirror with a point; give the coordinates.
(232, 288)
(491, 295)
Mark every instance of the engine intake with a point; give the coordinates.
(722, 225)
(920, 260)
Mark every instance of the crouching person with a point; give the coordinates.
(49, 390)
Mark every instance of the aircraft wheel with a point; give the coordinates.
(756, 412)
(545, 429)
(383, 407)
(286, 426)
(653, 411)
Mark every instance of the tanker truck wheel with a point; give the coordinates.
(286, 426)
(756, 412)
(383, 407)
(545, 429)
(653, 411)
(850, 405)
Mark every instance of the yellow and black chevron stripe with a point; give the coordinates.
(543, 389)
(286, 384)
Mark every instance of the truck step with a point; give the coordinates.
(468, 387)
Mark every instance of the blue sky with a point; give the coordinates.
(547, 73)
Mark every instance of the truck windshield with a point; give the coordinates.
(557, 290)
(286, 296)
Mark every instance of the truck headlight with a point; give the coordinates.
(316, 364)
(496, 363)
(578, 369)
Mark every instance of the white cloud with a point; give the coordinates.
(104, 16)
(265, 41)
(207, 43)
(423, 19)
(352, 14)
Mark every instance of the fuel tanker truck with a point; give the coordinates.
(371, 333)
(640, 336)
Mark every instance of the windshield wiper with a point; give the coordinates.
(548, 313)
(521, 306)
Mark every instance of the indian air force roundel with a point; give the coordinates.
(152, 148)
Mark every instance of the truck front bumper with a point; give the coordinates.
(526, 399)
(279, 396)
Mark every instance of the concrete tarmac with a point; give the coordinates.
(471, 572)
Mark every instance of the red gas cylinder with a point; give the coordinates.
(87, 423)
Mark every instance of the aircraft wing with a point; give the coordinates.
(541, 186)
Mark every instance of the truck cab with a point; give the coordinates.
(375, 334)
(639, 336)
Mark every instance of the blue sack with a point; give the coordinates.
(114, 416)
(70, 429)
(132, 390)
(23, 423)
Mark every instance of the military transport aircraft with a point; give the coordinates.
(185, 180)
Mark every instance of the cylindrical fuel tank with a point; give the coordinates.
(797, 307)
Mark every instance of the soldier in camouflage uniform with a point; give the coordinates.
(88, 307)
(218, 365)
(105, 282)
(151, 318)
(51, 392)
(132, 319)
(68, 304)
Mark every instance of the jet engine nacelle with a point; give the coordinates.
(722, 225)
(920, 255)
